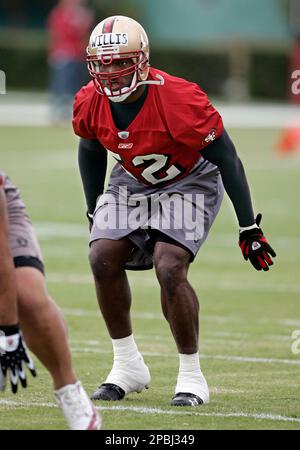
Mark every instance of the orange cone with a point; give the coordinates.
(289, 141)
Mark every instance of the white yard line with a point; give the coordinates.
(213, 337)
(77, 312)
(262, 416)
(142, 410)
(151, 282)
(253, 360)
(230, 358)
(96, 313)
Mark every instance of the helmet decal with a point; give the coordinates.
(108, 25)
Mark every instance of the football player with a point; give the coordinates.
(25, 304)
(167, 139)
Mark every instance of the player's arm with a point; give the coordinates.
(13, 353)
(223, 154)
(253, 244)
(92, 159)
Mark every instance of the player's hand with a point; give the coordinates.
(13, 358)
(255, 247)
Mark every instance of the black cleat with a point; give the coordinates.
(108, 392)
(186, 399)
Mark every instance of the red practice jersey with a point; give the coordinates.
(164, 141)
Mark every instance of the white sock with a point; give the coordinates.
(189, 364)
(190, 378)
(129, 370)
(125, 349)
(65, 388)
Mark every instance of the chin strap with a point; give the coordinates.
(159, 82)
(118, 98)
(125, 92)
(122, 97)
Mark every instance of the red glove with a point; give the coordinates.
(255, 247)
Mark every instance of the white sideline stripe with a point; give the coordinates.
(245, 359)
(291, 323)
(143, 410)
(48, 230)
(22, 111)
(74, 278)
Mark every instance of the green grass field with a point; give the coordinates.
(247, 317)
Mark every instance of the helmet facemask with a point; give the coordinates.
(117, 85)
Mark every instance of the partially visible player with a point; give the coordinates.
(25, 305)
(168, 140)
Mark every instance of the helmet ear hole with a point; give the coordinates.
(143, 67)
(143, 71)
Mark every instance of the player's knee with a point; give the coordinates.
(102, 263)
(32, 306)
(170, 273)
(31, 291)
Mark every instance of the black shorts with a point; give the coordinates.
(29, 261)
(159, 236)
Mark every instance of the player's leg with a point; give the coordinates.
(107, 259)
(179, 301)
(8, 296)
(129, 372)
(45, 333)
(40, 319)
(175, 247)
(43, 326)
(181, 309)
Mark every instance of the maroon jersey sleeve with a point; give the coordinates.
(82, 112)
(203, 120)
(191, 117)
